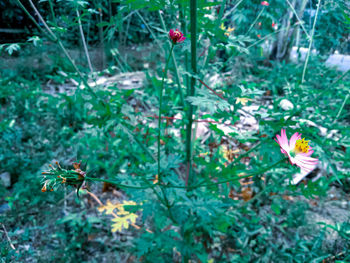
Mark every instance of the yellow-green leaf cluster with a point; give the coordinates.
(121, 216)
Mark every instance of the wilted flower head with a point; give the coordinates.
(176, 36)
(44, 189)
(265, 3)
(297, 150)
(57, 176)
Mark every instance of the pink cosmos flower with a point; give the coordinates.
(176, 36)
(297, 150)
(265, 3)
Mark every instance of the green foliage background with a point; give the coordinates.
(115, 137)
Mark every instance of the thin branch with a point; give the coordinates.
(84, 42)
(43, 21)
(55, 39)
(300, 21)
(150, 30)
(310, 42)
(201, 184)
(8, 238)
(341, 108)
(232, 10)
(256, 19)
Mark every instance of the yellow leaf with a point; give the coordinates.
(123, 217)
(123, 222)
(243, 101)
(222, 27)
(230, 29)
(118, 226)
(109, 207)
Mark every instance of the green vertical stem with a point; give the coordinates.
(221, 13)
(150, 30)
(232, 10)
(301, 23)
(52, 13)
(83, 41)
(182, 17)
(193, 20)
(310, 42)
(55, 39)
(341, 108)
(177, 75)
(102, 44)
(256, 19)
(160, 108)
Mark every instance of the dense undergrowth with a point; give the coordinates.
(242, 100)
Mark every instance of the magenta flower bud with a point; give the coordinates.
(176, 36)
(265, 3)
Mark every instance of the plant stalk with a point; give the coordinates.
(55, 39)
(311, 41)
(236, 178)
(191, 92)
(177, 75)
(256, 19)
(160, 108)
(84, 42)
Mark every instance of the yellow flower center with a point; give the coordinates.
(301, 146)
(177, 33)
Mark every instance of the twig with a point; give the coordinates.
(310, 42)
(341, 108)
(299, 20)
(267, 36)
(102, 43)
(52, 12)
(233, 9)
(55, 39)
(256, 19)
(201, 184)
(84, 42)
(217, 94)
(150, 30)
(8, 238)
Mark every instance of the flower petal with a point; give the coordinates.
(306, 158)
(304, 164)
(283, 141)
(299, 176)
(296, 136)
(182, 39)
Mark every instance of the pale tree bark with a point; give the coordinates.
(285, 38)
